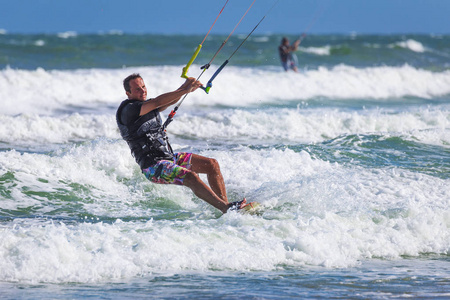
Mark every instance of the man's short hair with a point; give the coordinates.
(126, 81)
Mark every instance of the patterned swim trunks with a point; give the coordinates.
(169, 172)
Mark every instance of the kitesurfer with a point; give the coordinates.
(287, 56)
(140, 126)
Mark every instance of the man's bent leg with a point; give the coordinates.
(204, 192)
(211, 168)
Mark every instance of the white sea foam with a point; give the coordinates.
(288, 126)
(281, 126)
(67, 34)
(39, 43)
(325, 50)
(44, 91)
(32, 129)
(260, 39)
(411, 45)
(317, 213)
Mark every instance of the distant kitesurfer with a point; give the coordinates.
(140, 126)
(287, 56)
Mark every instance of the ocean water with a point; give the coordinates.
(350, 159)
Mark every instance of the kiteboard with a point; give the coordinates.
(252, 208)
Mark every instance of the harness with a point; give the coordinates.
(146, 137)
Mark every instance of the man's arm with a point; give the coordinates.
(165, 100)
(294, 46)
(297, 42)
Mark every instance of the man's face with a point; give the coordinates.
(138, 90)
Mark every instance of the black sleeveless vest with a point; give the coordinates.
(145, 137)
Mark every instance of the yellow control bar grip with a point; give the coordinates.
(185, 69)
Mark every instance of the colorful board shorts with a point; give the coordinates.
(290, 63)
(169, 172)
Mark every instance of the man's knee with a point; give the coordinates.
(214, 165)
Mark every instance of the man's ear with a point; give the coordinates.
(128, 93)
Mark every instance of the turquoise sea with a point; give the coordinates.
(350, 159)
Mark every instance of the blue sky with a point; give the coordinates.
(196, 16)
